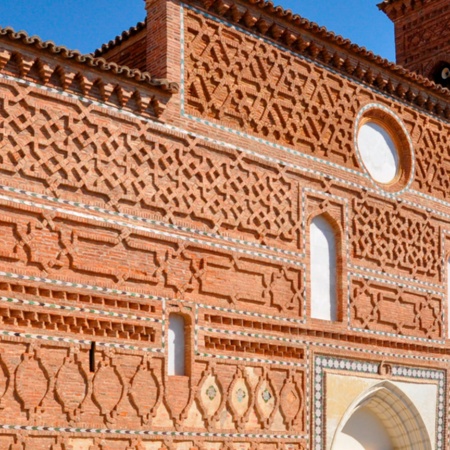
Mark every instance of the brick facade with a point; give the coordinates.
(125, 198)
(421, 33)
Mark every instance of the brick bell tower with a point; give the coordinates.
(422, 36)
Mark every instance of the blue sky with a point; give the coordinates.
(86, 24)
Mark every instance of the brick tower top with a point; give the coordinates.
(422, 36)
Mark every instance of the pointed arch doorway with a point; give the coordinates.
(383, 418)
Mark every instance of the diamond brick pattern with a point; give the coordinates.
(247, 84)
(396, 238)
(121, 165)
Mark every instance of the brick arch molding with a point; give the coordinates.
(395, 413)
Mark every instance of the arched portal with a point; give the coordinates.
(383, 418)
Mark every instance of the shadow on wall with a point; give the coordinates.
(383, 418)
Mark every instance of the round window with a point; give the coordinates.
(378, 152)
(384, 147)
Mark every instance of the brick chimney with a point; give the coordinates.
(422, 36)
(163, 38)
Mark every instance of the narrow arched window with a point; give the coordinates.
(176, 345)
(323, 270)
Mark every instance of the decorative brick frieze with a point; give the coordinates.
(186, 174)
(123, 205)
(50, 245)
(61, 382)
(415, 249)
(421, 34)
(394, 309)
(36, 295)
(295, 34)
(235, 346)
(73, 80)
(17, 318)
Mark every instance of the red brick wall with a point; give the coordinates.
(112, 217)
(421, 34)
(131, 53)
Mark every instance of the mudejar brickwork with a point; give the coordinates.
(226, 229)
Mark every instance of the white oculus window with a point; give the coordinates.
(176, 345)
(323, 270)
(378, 152)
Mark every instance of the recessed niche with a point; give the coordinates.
(176, 345)
(323, 270)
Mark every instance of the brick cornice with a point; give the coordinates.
(65, 56)
(395, 9)
(89, 77)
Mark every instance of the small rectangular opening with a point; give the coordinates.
(92, 357)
